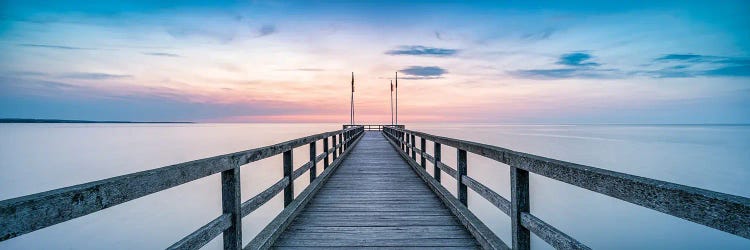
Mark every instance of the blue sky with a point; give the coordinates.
(271, 61)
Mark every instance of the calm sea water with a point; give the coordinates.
(40, 157)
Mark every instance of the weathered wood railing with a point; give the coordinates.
(725, 212)
(33, 212)
(373, 127)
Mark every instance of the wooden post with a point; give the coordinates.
(325, 149)
(462, 195)
(407, 137)
(436, 154)
(341, 141)
(413, 143)
(519, 189)
(348, 139)
(401, 140)
(313, 169)
(231, 204)
(423, 145)
(288, 170)
(406, 142)
(335, 150)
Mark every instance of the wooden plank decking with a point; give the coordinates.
(375, 200)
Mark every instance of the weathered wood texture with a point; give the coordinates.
(205, 234)
(32, 212)
(486, 238)
(519, 189)
(725, 212)
(271, 232)
(550, 234)
(254, 203)
(494, 198)
(231, 204)
(374, 199)
(288, 160)
(372, 127)
(461, 187)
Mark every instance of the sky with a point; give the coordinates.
(530, 62)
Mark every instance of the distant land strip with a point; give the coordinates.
(20, 120)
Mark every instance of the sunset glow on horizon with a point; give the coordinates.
(268, 61)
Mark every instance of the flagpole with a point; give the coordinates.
(352, 101)
(396, 98)
(391, 102)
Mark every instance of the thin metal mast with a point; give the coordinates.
(396, 98)
(352, 102)
(391, 102)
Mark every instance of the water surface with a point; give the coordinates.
(40, 157)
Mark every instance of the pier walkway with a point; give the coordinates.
(374, 199)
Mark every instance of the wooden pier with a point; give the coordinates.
(374, 191)
(375, 200)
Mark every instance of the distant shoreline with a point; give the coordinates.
(29, 120)
(17, 120)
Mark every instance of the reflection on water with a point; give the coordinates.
(40, 157)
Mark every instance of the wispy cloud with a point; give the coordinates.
(576, 59)
(224, 35)
(695, 65)
(95, 76)
(52, 46)
(266, 30)
(35, 97)
(423, 72)
(578, 65)
(681, 57)
(541, 35)
(161, 54)
(417, 50)
(302, 69)
(438, 35)
(546, 74)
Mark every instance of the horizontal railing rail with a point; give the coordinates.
(373, 127)
(28, 213)
(725, 212)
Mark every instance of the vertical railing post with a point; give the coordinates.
(436, 154)
(411, 144)
(412, 147)
(341, 141)
(335, 149)
(313, 169)
(288, 170)
(461, 159)
(519, 181)
(325, 149)
(406, 144)
(397, 138)
(231, 204)
(423, 146)
(401, 140)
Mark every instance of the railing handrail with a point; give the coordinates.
(373, 127)
(32, 212)
(725, 212)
